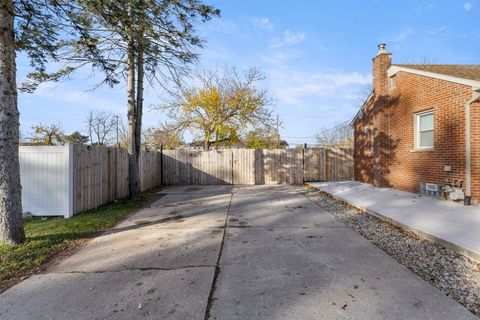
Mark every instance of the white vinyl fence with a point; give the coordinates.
(47, 180)
(66, 180)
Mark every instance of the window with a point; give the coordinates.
(392, 82)
(424, 130)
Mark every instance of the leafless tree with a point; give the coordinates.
(363, 93)
(422, 60)
(340, 135)
(101, 127)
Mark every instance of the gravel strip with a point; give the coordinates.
(455, 275)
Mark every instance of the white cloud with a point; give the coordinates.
(263, 23)
(222, 25)
(292, 38)
(277, 57)
(437, 31)
(402, 35)
(293, 87)
(468, 6)
(60, 94)
(426, 7)
(289, 38)
(216, 53)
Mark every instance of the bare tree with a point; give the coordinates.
(101, 127)
(422, 60)
(340, 135)
(364, 92)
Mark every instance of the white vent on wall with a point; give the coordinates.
(431, 187)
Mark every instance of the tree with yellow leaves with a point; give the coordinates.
(220, 107)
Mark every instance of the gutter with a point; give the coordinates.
(468, 180)
(362, 109)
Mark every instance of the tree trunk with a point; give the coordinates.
(206, 146)
(216, 139)
(139, 101)
(132, 149)
(11, 228)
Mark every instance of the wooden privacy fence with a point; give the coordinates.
(65, 180)
(261, 166)
(233, 166)
(328, 164)
(100, 175)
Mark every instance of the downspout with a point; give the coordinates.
(468, 180)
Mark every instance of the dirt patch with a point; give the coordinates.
(140, 222)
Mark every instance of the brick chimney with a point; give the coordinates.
(381, 63)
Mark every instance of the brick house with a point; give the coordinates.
(420, 127)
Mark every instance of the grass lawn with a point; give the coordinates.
(49, 236)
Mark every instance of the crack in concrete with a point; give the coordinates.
(135, 269)
(217, 265)
(284, 227)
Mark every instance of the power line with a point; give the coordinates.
(294, 137)
(321, 132)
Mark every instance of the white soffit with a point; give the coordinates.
(471, 83)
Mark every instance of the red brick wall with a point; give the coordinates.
(363, 147)
(381, 63)
(394, 161)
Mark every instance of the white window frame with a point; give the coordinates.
(392, 82)
(417, 135)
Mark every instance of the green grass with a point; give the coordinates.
(48, 236)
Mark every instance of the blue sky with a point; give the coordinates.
(316, 56)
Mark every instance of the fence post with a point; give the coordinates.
(70, 155)
(303, 162)
(161, 165)
(326, 164)
(233, 166)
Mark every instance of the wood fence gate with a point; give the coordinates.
(260, 166)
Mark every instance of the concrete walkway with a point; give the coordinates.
(216, 252)
(449, 223)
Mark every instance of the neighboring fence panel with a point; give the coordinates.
(46, 180)
(279, 166)
(95, 177)
(101, 175)
(150, 170)
(197, 166)
(339, 164)
(234, 166)
(243, 166)
(315, 164)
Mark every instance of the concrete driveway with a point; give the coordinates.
(222, 252)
